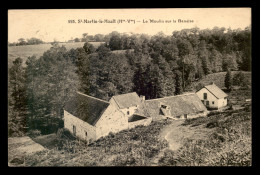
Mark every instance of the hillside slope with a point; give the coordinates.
(218, 79)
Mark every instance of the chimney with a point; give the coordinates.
(142, 97)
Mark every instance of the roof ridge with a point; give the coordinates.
(125, 94)
(93, 97)
(171, 96)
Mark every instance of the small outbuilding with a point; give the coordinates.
(177, 107)
(212, 96)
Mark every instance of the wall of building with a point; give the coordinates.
(131, 110)
(143, 122)
(222, 102)
(81, 127)
(210, 97)
(112, 120)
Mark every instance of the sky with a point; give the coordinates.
(53, 24)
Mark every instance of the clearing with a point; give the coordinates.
(18, 147)
(176, 133)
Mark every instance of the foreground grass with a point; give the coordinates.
(228, 145)
(137, 146)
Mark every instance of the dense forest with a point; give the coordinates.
(154, 66)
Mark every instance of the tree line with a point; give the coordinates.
(154, 66)
(23, 42)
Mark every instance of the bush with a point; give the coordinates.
(168, 159)
(65, 133)
(212, 124)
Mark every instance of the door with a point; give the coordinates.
(74, 130)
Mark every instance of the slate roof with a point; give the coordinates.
(86, 108)
(216, 91)
(127, 100)
(179, 105)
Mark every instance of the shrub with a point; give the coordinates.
(17, 160)
(218, 137)
(168, 159)
(64, 133)
(212, 124)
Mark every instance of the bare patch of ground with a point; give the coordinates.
(176, 133)
(18, 147)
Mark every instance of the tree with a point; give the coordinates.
(51, 81)
(77, 40)
(99, 37)
(21, 41)
(89, 48)
(84, 39)
(115, 42)
(33, 41)
(239, 79)
(17, 103)
(228, 80)
(17, 82)
(103, 51)
(178, 83)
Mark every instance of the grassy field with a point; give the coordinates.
(25, 51)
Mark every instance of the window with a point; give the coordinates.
(185, 116)
(86, 133)
(213, 102)
(127, 112)
(163, 106)
(205, 95)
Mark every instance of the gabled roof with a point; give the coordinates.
(127, 100)
(86, 108)
(178, 105)
(216, 91)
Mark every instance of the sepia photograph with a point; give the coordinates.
(130, 87)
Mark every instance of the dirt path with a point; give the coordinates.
(176, 133)
(18, 147)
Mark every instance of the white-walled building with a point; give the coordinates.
(90, 118)
(212, 96)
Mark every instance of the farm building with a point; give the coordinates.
(177, 107)
(212, 96)
(90, 118)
